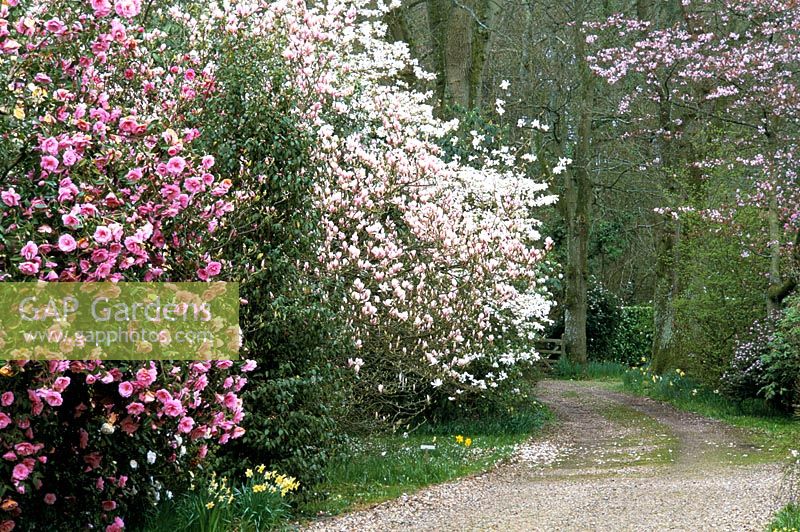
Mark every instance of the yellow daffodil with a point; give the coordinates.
(459, 439)
(210, 505)
(249, 473)
(467, 442)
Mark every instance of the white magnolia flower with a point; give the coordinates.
(107, 428)
(436, 383)
(504, 85)
(134, 464)
(151, 457)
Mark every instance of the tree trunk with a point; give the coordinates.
(666, 288)
(666, 276)
(460, 34)
(578, 202)
(458, 58)
(775, 236)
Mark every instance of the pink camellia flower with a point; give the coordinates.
(52, 398)
(163, 395)
(145, 377)
(176, 165)
(49, 163)
(50, 145)
(20, 472)
(207, 161)
(10, 197)
(24, 449)
(117, 526)
(93, 459)
(4, 420)
(49, 498)
(173, 408)
(71, 221)
(103, 235)
(10, 46)
(7, 398)
(66, 243)
(128, 425)
(202, 274)
(230, 401)
(70, 157)
(125, 389)
(109, 506)
(193, 185)
(185, 425)
(135, 409)
(54, 25)
(128, 8)
(29, 250)
(10, 456)
(102, 8)
(249, 365)
(213, 268)
(135, 174)
(29, 268)
(61, 384)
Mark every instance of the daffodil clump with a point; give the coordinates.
(262, 481)
(646, 376)
(461, 440)
(219, 493)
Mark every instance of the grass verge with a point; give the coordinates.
(771, 429)
(592, 370)
(382, 467)
(786, 520)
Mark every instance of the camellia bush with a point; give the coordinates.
(102, 181)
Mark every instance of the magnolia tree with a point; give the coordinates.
(729, 64)
(438, 259)
(436, 262)
(101, 182)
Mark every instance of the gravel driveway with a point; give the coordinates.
(613, 462)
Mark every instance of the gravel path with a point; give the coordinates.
(613, 462)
